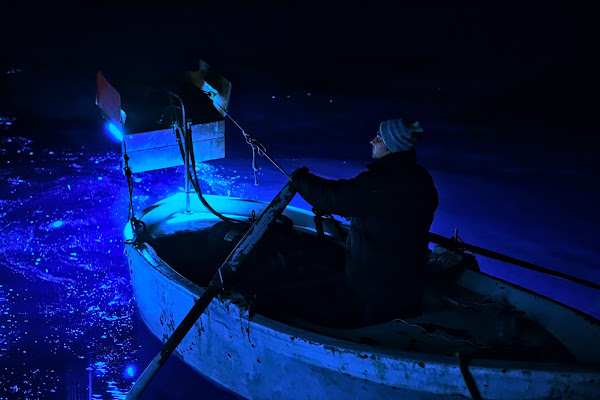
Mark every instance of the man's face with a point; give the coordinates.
(379, 148)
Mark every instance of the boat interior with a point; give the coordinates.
(293, 276)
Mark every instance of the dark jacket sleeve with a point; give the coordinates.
(343, 197)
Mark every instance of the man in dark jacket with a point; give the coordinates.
(391, 207)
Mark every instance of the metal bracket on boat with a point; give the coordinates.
(138, 229)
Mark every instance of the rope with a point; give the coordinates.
(127, 172)
(256, 145)
(137, 226)
(440, 336)
(195, 182)
(254, 164)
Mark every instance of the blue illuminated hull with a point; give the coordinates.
(259, 358)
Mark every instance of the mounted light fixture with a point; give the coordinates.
(114, 131)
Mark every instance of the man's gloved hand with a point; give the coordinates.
(298, 172)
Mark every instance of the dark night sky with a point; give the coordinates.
(501, 61)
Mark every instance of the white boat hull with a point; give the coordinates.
(259, 358)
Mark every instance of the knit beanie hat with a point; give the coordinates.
(399, 135)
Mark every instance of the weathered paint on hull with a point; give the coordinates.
(263, 359)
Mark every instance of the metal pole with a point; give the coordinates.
(186, 151)
(187, 165)
(249, 138)
(277, 165)
(451, 244)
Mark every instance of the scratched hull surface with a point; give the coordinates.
(258, 357)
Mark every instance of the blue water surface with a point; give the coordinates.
(68, 326)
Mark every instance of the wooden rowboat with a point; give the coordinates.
(479, 335)
(258, 329)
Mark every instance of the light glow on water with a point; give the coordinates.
(130, 371)
(57, 224)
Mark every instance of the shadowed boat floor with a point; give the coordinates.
(288, 264)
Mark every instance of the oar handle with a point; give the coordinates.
(171, 344)
(452, 244)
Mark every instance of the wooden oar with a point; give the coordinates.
(226, 271)
(450, 243)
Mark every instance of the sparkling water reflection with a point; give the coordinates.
(68, 327)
